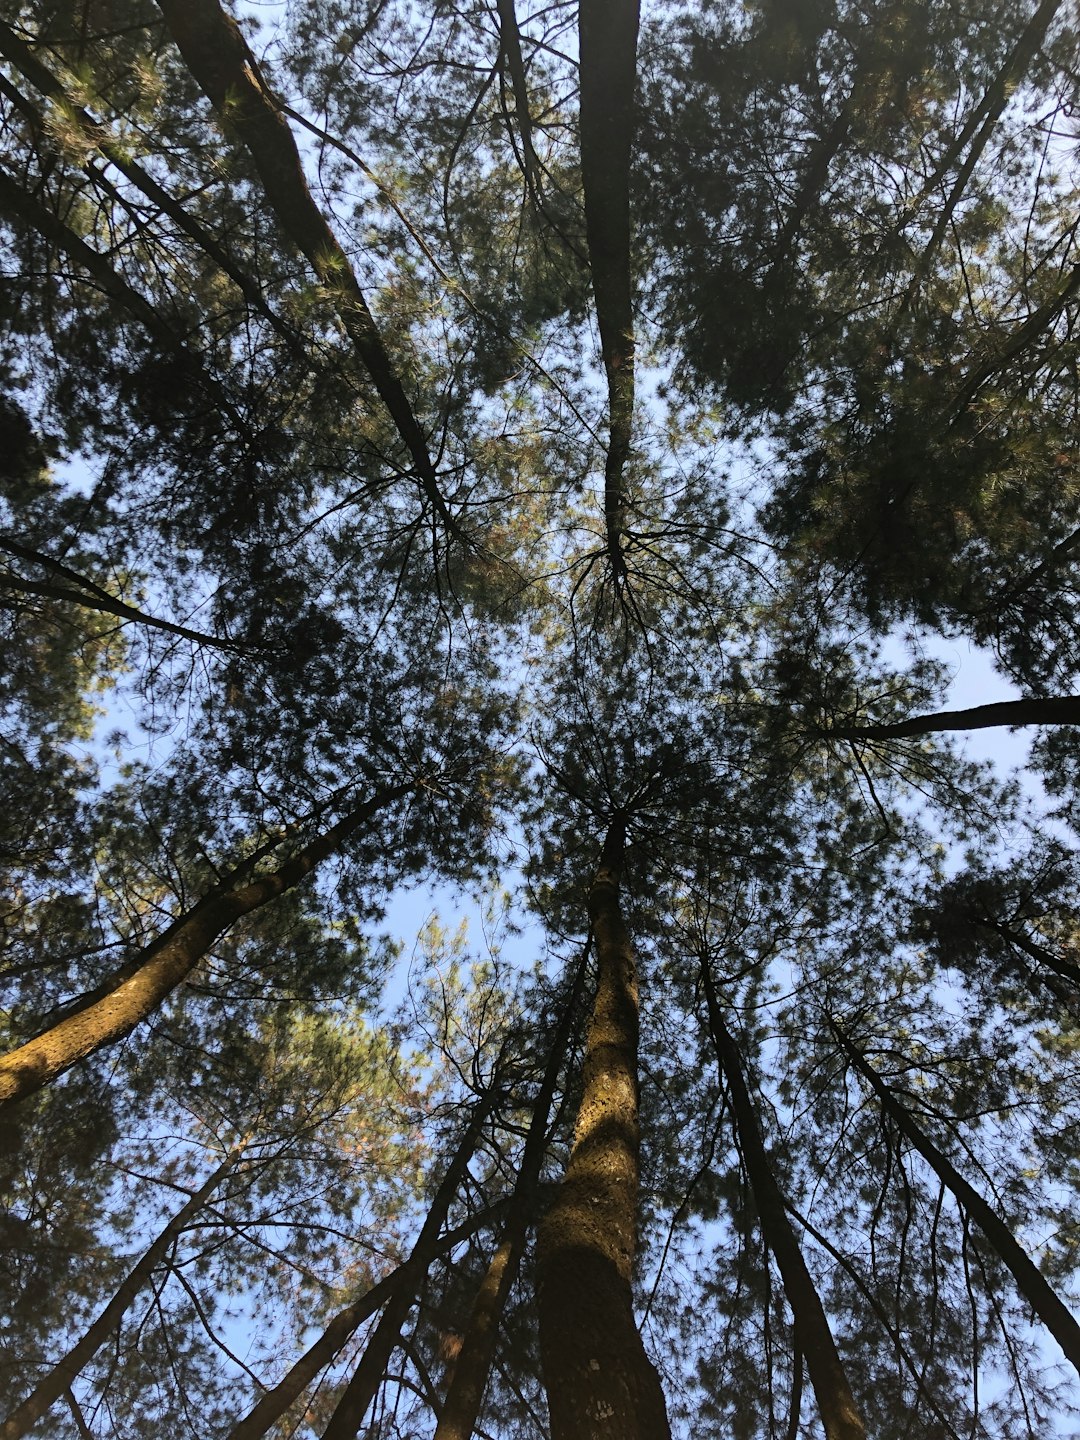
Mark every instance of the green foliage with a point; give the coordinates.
(854, 442)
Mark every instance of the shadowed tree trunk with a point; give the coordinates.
(218, 56)
(23, 58)
(58, 1381)
(813, 1337)
(370, 1371)
(600, 1383)
(1059, 710)
(166, 962)
(343, 1325)
(1029, 1281)
(465, 1392)
(608, 32)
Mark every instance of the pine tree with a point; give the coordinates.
(537, 450)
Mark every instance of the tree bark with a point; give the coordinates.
(608, 31)
(59, 1379)
(600, 1383)
(510, 44)
(465, 1392)
(813, 1336)
(165, 963)
(1057, 710)
(1035, 1290)
(371, 1369)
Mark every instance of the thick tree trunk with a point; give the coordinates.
(370, 1371)
(465, 1392)
(1031, 1284)
(600, 1383)
(165, 963)
(839, 1413)
(1059, 710)
(58, 1381)
(608, 31)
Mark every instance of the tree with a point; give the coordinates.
(537, 451)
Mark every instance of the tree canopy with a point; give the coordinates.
(542, 456)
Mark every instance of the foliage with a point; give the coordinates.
(342, 560)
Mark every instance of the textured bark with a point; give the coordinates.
(370, 1371)
(839, 1412)
(57, 1382)
(218, 56)
(465, 1392)
(1029, 1281)
(165, 963)
(271, 1406)
(1058, 710)
(608, 32)
(600, 1383)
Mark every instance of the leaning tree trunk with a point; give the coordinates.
(600, 1383)
(1044, 1301)
(1036, 710)
(839, 1413)
(59, 1379)
(271, 1406)
(370, 1371)
(139, 988)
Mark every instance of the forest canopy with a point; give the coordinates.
(544, 457)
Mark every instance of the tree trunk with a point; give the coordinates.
(58, 1381)
(165, 963)
(465, 1392)
(371, 1369)
(271, 1406)
(219, 58)
(608, 31)
(1058, 710)
(1035, 1290)
(813, 1337)
(600, 1383)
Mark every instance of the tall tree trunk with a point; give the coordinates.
(839, 1413)
(165, 963)
(465, 1392)
(58, 1381)
(608, 31)
(219, 58)
(600, 1383)
(369, 1373)
(1035, 1290)
(510, 45)
(22, 57)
